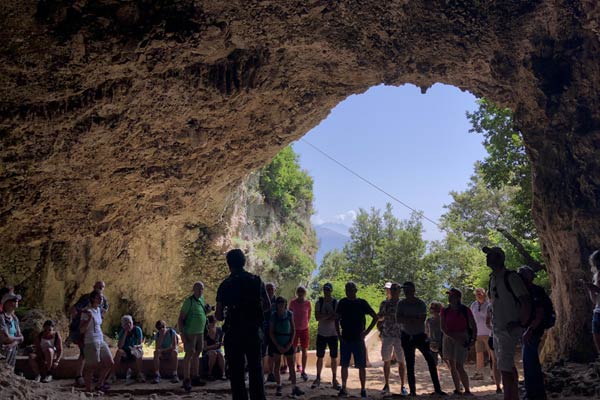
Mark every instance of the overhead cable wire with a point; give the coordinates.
(391, 196)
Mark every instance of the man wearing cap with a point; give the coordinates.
(479, 308)
(10, 332)
(391, 343)
(532, 369)
(411, 313)
(511, 307)
(326, 334)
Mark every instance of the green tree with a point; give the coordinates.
(285, 185)
(333, 266)
(361, 251)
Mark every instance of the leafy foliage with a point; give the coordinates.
(284, 184)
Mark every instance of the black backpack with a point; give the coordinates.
(549, 319)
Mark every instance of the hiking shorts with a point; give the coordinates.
(354, 348)
(96, 352)
(303, 338)
(327, 341)
(389, 346)
(454, 350)
(481, 344)
(505, 345)
(193, 343)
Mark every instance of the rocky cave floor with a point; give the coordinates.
(575, 381)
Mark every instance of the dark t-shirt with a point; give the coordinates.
(241, 295)
(352, 317)
(537, 294)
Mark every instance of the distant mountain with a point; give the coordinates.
(331, 236)
(339, 228)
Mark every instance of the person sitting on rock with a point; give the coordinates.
(10, 332)
(48, 351)
(6, 290)
(130, 347)
(166, 341)
(213, 341)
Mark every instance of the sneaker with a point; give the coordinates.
(363, 393)
(187, 385)
(385, 390)
(140, 378)
(298, 368)
(335, 384)
(499, 391)
(47, 379)
(440, 393)
(467, 393)
(37, 378)
(316, 383)
(156, 379)
(278, 391)
(342, 393)
(79, 381)
(271, 378)
(297, 392)
(403, 391)
(304, 376)
(457, 392)
(175, 378)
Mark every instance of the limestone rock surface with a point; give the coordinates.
(125, 125)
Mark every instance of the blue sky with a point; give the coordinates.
(415, 146)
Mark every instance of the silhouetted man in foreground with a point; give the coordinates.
(241, 302)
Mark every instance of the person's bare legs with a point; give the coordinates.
(88, 372)
(495, 371)
(319, 367)
(304, 359)
(386, 372)
(156, 362)
(33, 364)
(276, 370)
(221, 362)
(195, 364)
(48, 360)
(464, 378)
(454, 373)
(480, 357)
(290, 362)
(362, 374)
(106, 366)
(402, 372)
(212, 359)
(333, 370)
(80, 364)
(117, 360)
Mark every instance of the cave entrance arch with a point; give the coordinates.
(124, 121)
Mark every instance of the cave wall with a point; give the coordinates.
(126, 121)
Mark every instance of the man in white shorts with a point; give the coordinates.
(391, 343)
(511, 312)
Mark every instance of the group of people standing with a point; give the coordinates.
(260, 331)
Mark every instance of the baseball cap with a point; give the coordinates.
(454, 291)
(408, 284)
(496, 251)
(387, 285)
(10, 296)
(328, 286)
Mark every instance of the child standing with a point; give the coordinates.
(433, 329)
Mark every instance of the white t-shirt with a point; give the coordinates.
(506, 309)
(326, 327)
(93, 333)
(480, 311)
